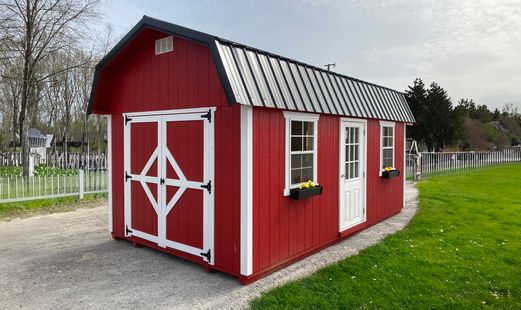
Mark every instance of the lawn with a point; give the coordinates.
(461, 250)
(29, 208)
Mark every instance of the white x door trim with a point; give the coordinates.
(164, 157)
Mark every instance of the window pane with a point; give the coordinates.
(347, 153)
(346, 175)
(387, 162)
(296, 161)
(347, 134)
(296, 176)
(307, 174)
(296, 144)
(388, 153)
(308, 144)
(356, 155)
(357, 134)
(296, 128)
(308, 128)
(307, 160)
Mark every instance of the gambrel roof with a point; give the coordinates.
(255, 77)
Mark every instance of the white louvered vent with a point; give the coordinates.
(164, 45)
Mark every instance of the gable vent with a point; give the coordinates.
(164, 45)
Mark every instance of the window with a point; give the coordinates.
(164, 45)
(352, 153)
(301, 149)
(386, 145)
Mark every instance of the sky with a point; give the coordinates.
(471, 48)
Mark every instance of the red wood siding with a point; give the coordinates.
(136, 81)
(285, 229)
(282, 227)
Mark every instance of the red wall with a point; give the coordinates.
(137, 80)
(283, 228)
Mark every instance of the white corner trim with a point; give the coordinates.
(305, 117)
(246, 190)
(109, 170)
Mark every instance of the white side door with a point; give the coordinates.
(352, 173)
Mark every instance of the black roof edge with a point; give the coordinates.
(203, 38)
(180, 31)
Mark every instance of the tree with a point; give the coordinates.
(438, 124)
(416, 99)
(497, 114)
(30, 31)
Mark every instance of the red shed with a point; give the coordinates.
(209, 141)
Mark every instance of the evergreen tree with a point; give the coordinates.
(438, 124)
(416, 99)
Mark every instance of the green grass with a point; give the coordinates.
(462, 250)
(29, 208)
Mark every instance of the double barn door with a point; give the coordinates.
(169, 177)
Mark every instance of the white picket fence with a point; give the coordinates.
(18, 188)
(70, 160)
(430, 163)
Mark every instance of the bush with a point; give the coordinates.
(10, 171)
(46, 171)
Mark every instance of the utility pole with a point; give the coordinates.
(329, 66)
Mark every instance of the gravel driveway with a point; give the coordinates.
(68, 260)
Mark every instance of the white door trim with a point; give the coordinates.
(171, 112)
(164, 157)
(341, 155)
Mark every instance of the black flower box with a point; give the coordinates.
(390, 174)
(297, 193)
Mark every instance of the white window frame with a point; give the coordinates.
(161, 45)
(382, 125)
(302, 117)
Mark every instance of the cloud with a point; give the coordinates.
(470, 47)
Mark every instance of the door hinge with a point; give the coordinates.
(128, 231)
(127, 176)
(127, 119)
(208, 116)
(208, 186)
(208, 255)
(162, 181)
